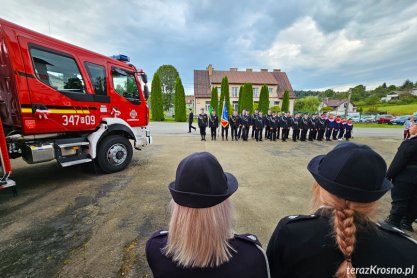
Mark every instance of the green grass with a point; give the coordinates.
(406, 109)
(372, 125)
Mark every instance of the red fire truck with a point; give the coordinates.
(59, 101)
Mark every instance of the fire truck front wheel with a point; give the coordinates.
(114, 153)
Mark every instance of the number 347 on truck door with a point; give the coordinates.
(73, 120)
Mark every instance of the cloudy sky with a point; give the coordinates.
(319, 43)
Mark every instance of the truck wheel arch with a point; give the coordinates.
(111, 126)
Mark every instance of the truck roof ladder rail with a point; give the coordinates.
(6, 166)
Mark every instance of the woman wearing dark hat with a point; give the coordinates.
(339, 240)
(200, 241)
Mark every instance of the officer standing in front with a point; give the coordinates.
(402, 172)
(245, 120)
(268, 124)
(202, 124)
(285, 126)
(252, 121)
(304, 127)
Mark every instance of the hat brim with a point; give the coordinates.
(344, 191)
(197, 200)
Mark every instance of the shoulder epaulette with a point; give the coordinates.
(294, 218)
(159, 233)
(387, 227)
(249, 237)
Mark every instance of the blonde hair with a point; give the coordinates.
(198, 237)
(346, 216)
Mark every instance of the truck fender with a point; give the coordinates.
(107, 126)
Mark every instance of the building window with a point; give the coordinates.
(207, 106)
(255, 92)
(276, 103)
(219, 90)
(235, 91)
(270, 90)
(235, 105)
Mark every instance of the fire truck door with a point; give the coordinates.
(59, 100)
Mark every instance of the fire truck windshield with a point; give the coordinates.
(124, 82)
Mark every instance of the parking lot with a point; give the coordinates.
(73, 222)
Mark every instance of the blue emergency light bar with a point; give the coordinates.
(121, 57)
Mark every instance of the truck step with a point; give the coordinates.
(73, 160)
(71, 142)
(7, 183)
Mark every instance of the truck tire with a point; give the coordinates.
(114, 153)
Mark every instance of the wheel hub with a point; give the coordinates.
(117, 154)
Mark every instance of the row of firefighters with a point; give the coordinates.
(314, 127)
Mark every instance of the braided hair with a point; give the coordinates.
(346, 216)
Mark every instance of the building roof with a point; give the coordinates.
(203, 81)
(334, 102)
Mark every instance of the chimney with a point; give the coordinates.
(264, 70)
(233, 69)
(210, 69)
(277, 70)
(249, 70)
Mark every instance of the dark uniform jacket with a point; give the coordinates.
(245, 120)
(303, 246)
(190, 117)
(249, 260)
(202, 120)
(295, 123)
(234, 121)
(283, 122)
(404, 165)
(259, 122)
(273, 123)
(321, 123)
(304, 124)
(312, 123)
(214, 121)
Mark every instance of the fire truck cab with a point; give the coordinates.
(59, 101)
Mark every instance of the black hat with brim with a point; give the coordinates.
(352, 172)
(201, 183)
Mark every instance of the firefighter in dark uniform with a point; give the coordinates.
(285, 126)
(402, 172)
(202, 124)
(273, 125)
(213, 124)
(329, 127)
(245, 120)
(252, 122)
(339, 236)
(234, 124)
(259, 126)
(268, 124)
(321, 127)
(279, 115)
(192, 191)
(304, 127)
(312, 128)
(295, 124)
(190, 120)
(239, 133)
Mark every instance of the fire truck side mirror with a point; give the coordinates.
(144, 77)
(146, 91)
